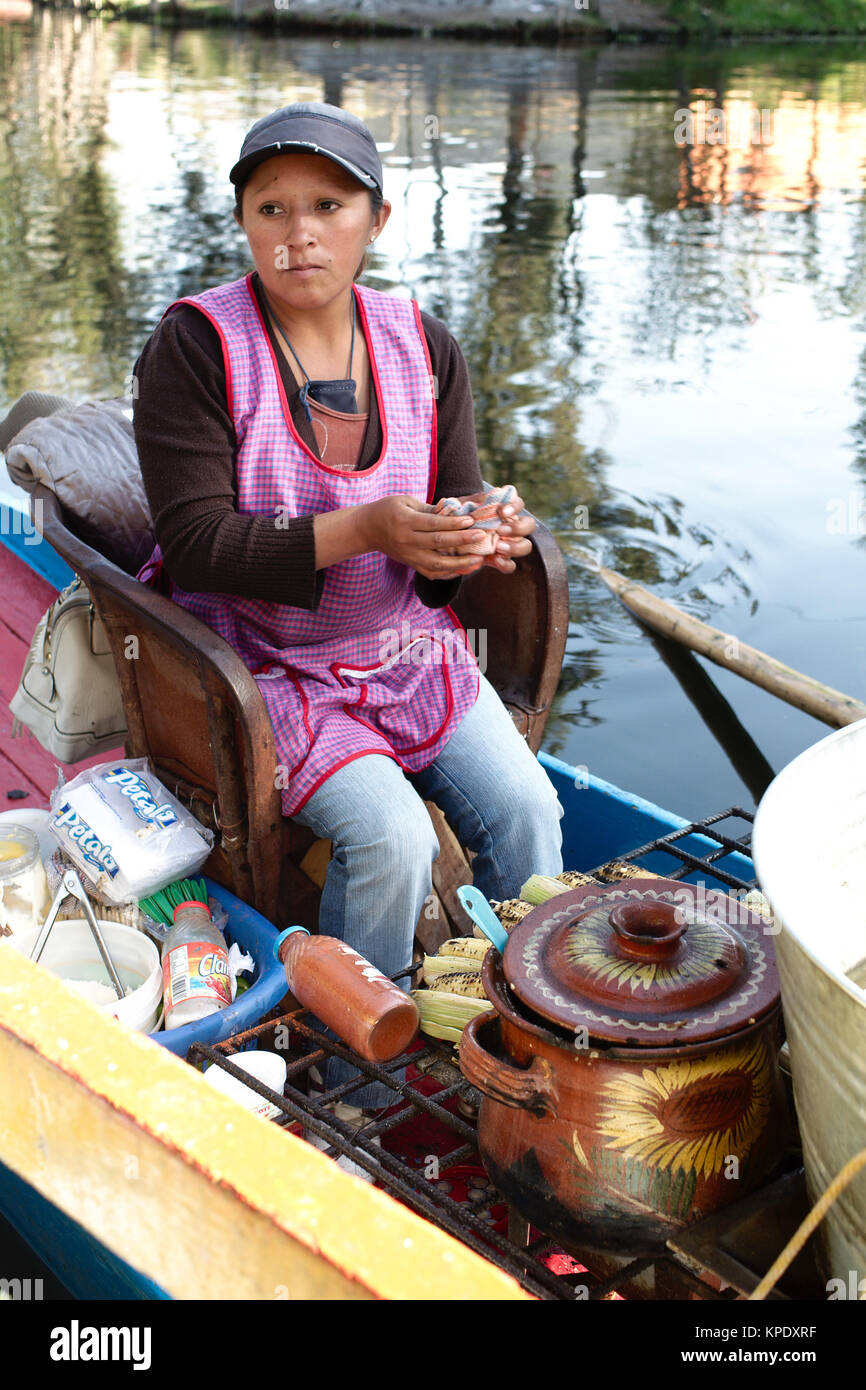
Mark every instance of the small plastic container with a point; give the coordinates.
(195, 966)
(24, 895)
(38, 822)
(266, 1067)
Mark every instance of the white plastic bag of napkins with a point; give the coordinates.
(125, 832)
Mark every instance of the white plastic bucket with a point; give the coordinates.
(72, 954)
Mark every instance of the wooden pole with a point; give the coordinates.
(805, 693)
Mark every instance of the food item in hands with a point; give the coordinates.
(484, 518)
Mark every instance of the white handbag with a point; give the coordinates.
(69, 695)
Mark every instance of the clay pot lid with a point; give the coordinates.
(644, 961)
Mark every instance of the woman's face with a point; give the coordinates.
(308, 223)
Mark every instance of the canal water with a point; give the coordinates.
(663, 316)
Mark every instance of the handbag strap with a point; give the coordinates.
(54, 613)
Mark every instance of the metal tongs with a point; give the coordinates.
(71, 883)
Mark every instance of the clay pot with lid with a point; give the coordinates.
(630, 1073)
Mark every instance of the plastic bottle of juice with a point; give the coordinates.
(195, 966)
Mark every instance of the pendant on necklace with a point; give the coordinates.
(336, 395)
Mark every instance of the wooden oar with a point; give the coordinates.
(815, 698)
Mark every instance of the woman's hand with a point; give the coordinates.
(513, 537)
(413, 534)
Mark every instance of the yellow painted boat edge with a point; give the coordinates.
(69, 1064)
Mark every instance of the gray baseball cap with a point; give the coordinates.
(317, 128)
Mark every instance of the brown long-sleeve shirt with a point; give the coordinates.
(186, 445)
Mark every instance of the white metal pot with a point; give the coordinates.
(809, 848)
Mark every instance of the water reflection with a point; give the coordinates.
(64, 273)
(662, 337)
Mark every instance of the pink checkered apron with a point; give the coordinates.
(367, 672)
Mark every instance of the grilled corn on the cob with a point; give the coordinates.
(437, 966)
(538, 889)
(467, 983)
(509, 912)
(464, 946)
(443, 1031)
(444, 1015)
(460, 954)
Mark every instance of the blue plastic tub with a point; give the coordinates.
(255, 934)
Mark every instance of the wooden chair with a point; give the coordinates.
(194, 709)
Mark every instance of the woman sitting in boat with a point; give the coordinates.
(295, 431)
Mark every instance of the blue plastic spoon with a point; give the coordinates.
(482, 914)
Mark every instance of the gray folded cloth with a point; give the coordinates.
(29, 407)
(85, 454)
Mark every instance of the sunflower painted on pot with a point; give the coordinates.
(666, 1127)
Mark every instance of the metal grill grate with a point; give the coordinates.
(395, 1173)
(718, 853)
(468, 1221)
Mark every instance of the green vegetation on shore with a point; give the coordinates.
(771, 17)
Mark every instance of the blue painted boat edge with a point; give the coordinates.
(40, 557)
(631, 800)
(602, 822)
(84, 1266)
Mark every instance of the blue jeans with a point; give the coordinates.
(497, 799)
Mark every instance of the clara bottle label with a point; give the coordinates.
(196, 970)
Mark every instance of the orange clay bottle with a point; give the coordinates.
(362, 1006)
